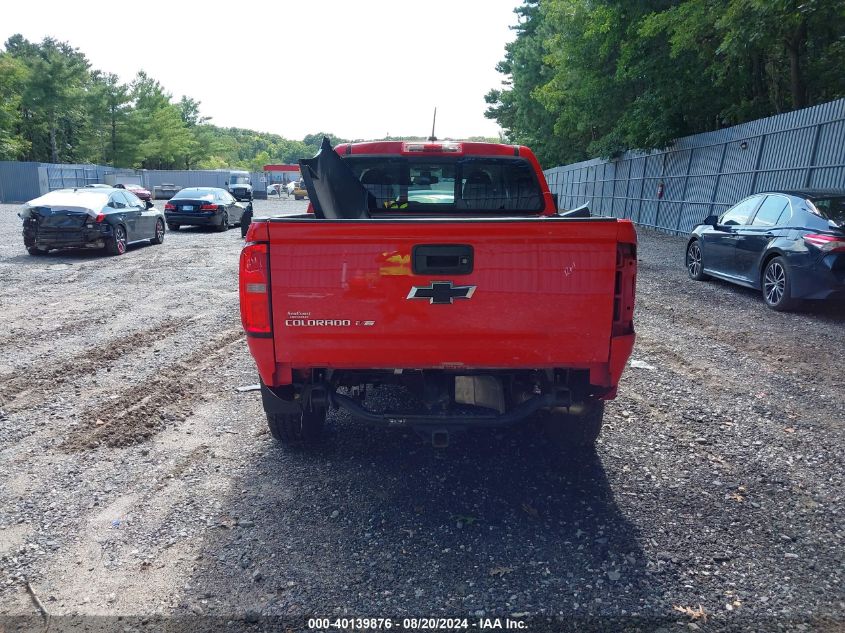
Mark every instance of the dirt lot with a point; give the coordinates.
(135, 480)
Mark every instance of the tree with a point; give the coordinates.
(314, 141)
(189, 110)
(53, 97)
(517, 109)
(54, 107)
(108, 105)
(596, 77)
(13, 77)
(163, 137)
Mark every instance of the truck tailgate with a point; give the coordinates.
(542, 293)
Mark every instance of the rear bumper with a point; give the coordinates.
(823, 280)
(200, 218)
(46, 237)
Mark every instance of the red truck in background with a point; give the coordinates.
(459, 281)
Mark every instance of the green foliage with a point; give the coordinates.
(524, 119)
(13, 77)
(595, 77)
(52, 98)
(54, 108)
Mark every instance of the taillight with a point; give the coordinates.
(255, 290)
(625, 289)
(208, 207)
(169, 207)
(100, 217)
(826, 243)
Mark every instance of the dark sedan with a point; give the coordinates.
(99, 217)
(204, 206)
(788, 244)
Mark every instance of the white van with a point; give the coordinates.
(240, 185)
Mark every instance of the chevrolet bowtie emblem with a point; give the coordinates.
(441, 292)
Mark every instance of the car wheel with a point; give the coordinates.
(777, 291)
(695, 268)
(159, 235)
(36, 251)
(224, 222)
(173, 227)
(575, 429)
(116, 244)
(297, 430)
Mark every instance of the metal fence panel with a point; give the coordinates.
(18, 181)
(22, 181)
(68, 176)
(196, 178)
(707, 173)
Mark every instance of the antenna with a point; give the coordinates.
(433, 121)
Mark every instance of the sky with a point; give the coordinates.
(357, 69)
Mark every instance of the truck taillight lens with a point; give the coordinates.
(255, 290)
(100, 217)
(625, 289)
(826, 243)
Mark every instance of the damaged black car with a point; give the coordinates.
(89, 218)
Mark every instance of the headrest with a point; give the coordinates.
(479, 178)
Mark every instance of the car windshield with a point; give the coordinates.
(239, 180)
(831, 209)
(449, 183)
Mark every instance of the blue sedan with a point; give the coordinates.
(790, 245)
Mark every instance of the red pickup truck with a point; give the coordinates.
(454, 276)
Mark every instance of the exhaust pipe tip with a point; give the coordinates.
(440, 439)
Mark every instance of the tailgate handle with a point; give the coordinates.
(442, 259)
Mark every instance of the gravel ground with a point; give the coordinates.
(136, 481)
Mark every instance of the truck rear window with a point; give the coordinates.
(449, 183)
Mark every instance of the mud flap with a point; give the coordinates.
(274, 404)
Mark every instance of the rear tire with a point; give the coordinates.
(224, 222)
(35, 251)
(776, 284)
(116, 243)
(173, 227)
(158, 238)
(299, 429)
(578, 429)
